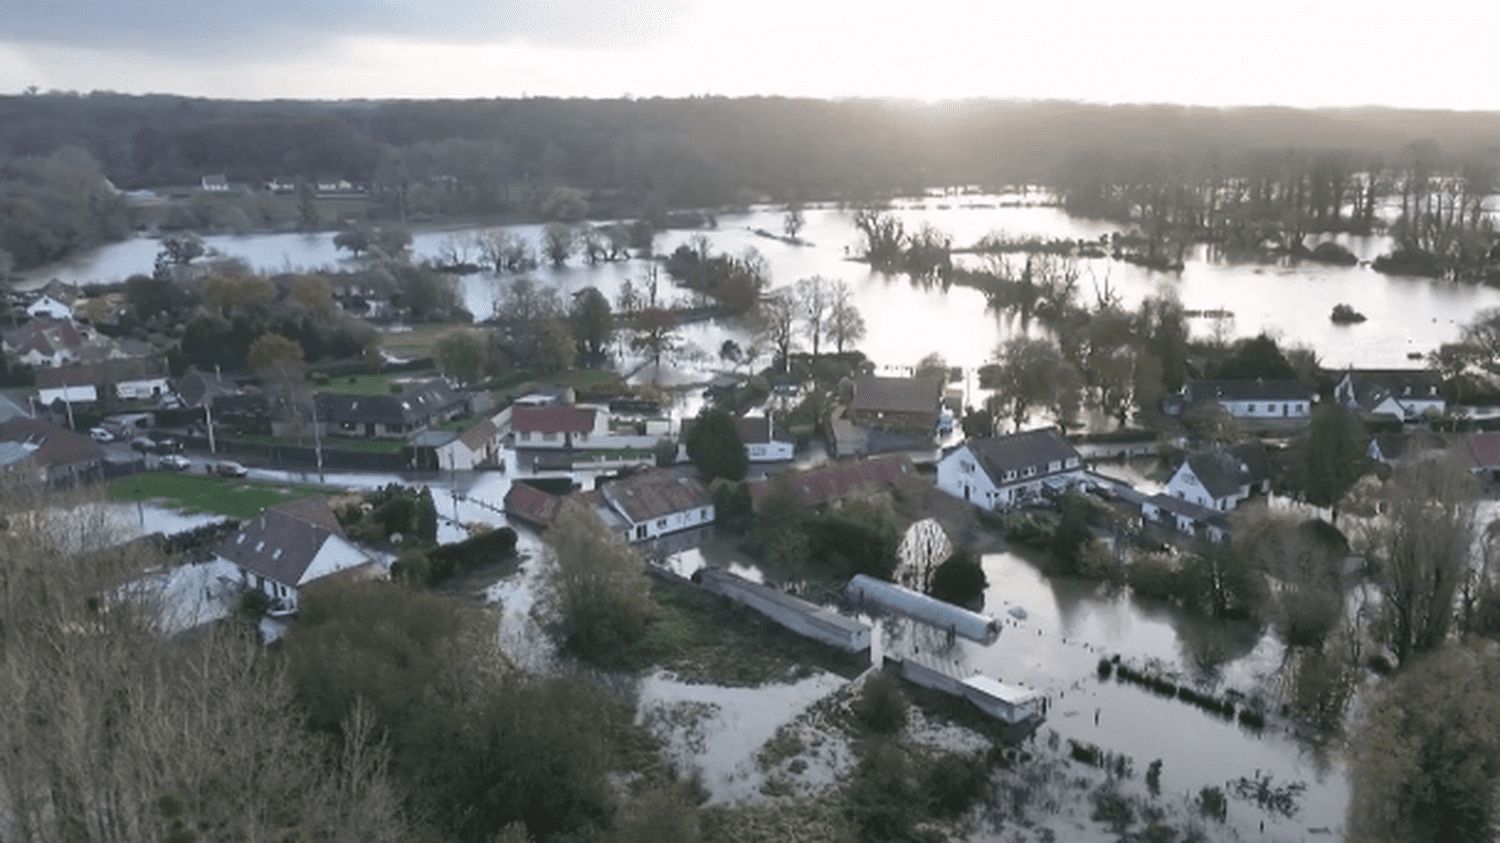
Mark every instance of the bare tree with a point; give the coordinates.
(793, 222)
(814, 298)
(559, 242)
(778, 325)
(845, 324)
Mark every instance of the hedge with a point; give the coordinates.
(452, 559)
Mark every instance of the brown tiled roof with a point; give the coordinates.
(837, 480)
(528, 503)
(897, 395)
(655, 493)
(562, 419)
(281, 542)
(1485, 449)
(54, 445)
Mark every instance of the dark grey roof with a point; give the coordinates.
(1201, 514)
(1395, 447)
(417, 402)
(281, 542)
(195, 388)
(1018, 451)
(1372, 386)
(1248, 390)
(897, 395)
(1224, 471)
(753, 430)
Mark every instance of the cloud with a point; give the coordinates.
(278, 27)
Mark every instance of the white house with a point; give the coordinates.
(656, 502)
(214, 183)
(1000, 472)
(1257, 399)
(581, 427)
(1405, 394)
(130, 380)
(1220, 478)
(445, 450)
(1186, 517)
(47, 307)
(289, 546)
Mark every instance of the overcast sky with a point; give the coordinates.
(1437, 53)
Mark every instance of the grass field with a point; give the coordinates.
(234, 498)
(420, 340)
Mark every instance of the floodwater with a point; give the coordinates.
(906, 322)
(1070, 624)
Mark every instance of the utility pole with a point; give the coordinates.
(317, 440)
(208, 419)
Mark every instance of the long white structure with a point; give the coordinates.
(819, 623)
(929, 610)
(1010, 703)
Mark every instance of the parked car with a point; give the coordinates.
(99, 434)
(176, 462)
(142, 444)
(229, 468)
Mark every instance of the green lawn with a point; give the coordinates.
(235, 498)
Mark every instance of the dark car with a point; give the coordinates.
(164, 443)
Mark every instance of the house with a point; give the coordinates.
(47, 307)
(656, 502)
(832, 483)
(279, 184)
(525, 502)
(557, 425)
(1395, 449)
(902, 404)
(197, 389)
(999, 472)
(1484, 455)
(43, 343)
(58, 455)
(763, 440)
(1221, 478)
(126, 380)
(287, 547)
(1186, 517)
(214, 183)
(458, 450)
(1257, 399)
(416, 407)
(1405, 394)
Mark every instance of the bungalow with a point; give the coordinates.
(47, 307)
(43, 342)
(763, 440)
(1221, 478)
(57, 455)
(999, 472)
(832, 483)
(1186, 517)
(214, 183)
(1405, 394)
(465, 450)
(902, 404)
(558, 425)
(289, 546)
(197, 389)
(417, 407)
(1254, 399)
(656, 502)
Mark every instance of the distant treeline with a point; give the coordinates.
(696, 151)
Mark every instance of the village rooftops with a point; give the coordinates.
(1224, 471)
(282, 542)
(415, 403)
(52, 445)
(1372, 386)
(753, 430)
(655, 493)
(875, 394)
(552, 419)
(1257, 389)
(1003, 458)
(835, 481)
(93, 374)
(197, 388)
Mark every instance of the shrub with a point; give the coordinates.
(1153, 575)
(489, 546)
(1212, 803)
(414, 567)
(959, 580)
(955, 782)
(881, 707)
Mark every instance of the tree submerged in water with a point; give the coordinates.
(1344, 314)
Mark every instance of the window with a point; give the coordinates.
(704, 512)
(661, 522)
(1249, 408)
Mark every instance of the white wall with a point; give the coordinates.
(672, 523)
(1296, 409)
(76, 394)
(769, 451)
(143, 388)
(960, 471)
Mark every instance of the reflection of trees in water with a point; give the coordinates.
(922, 549)
(903, 636)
